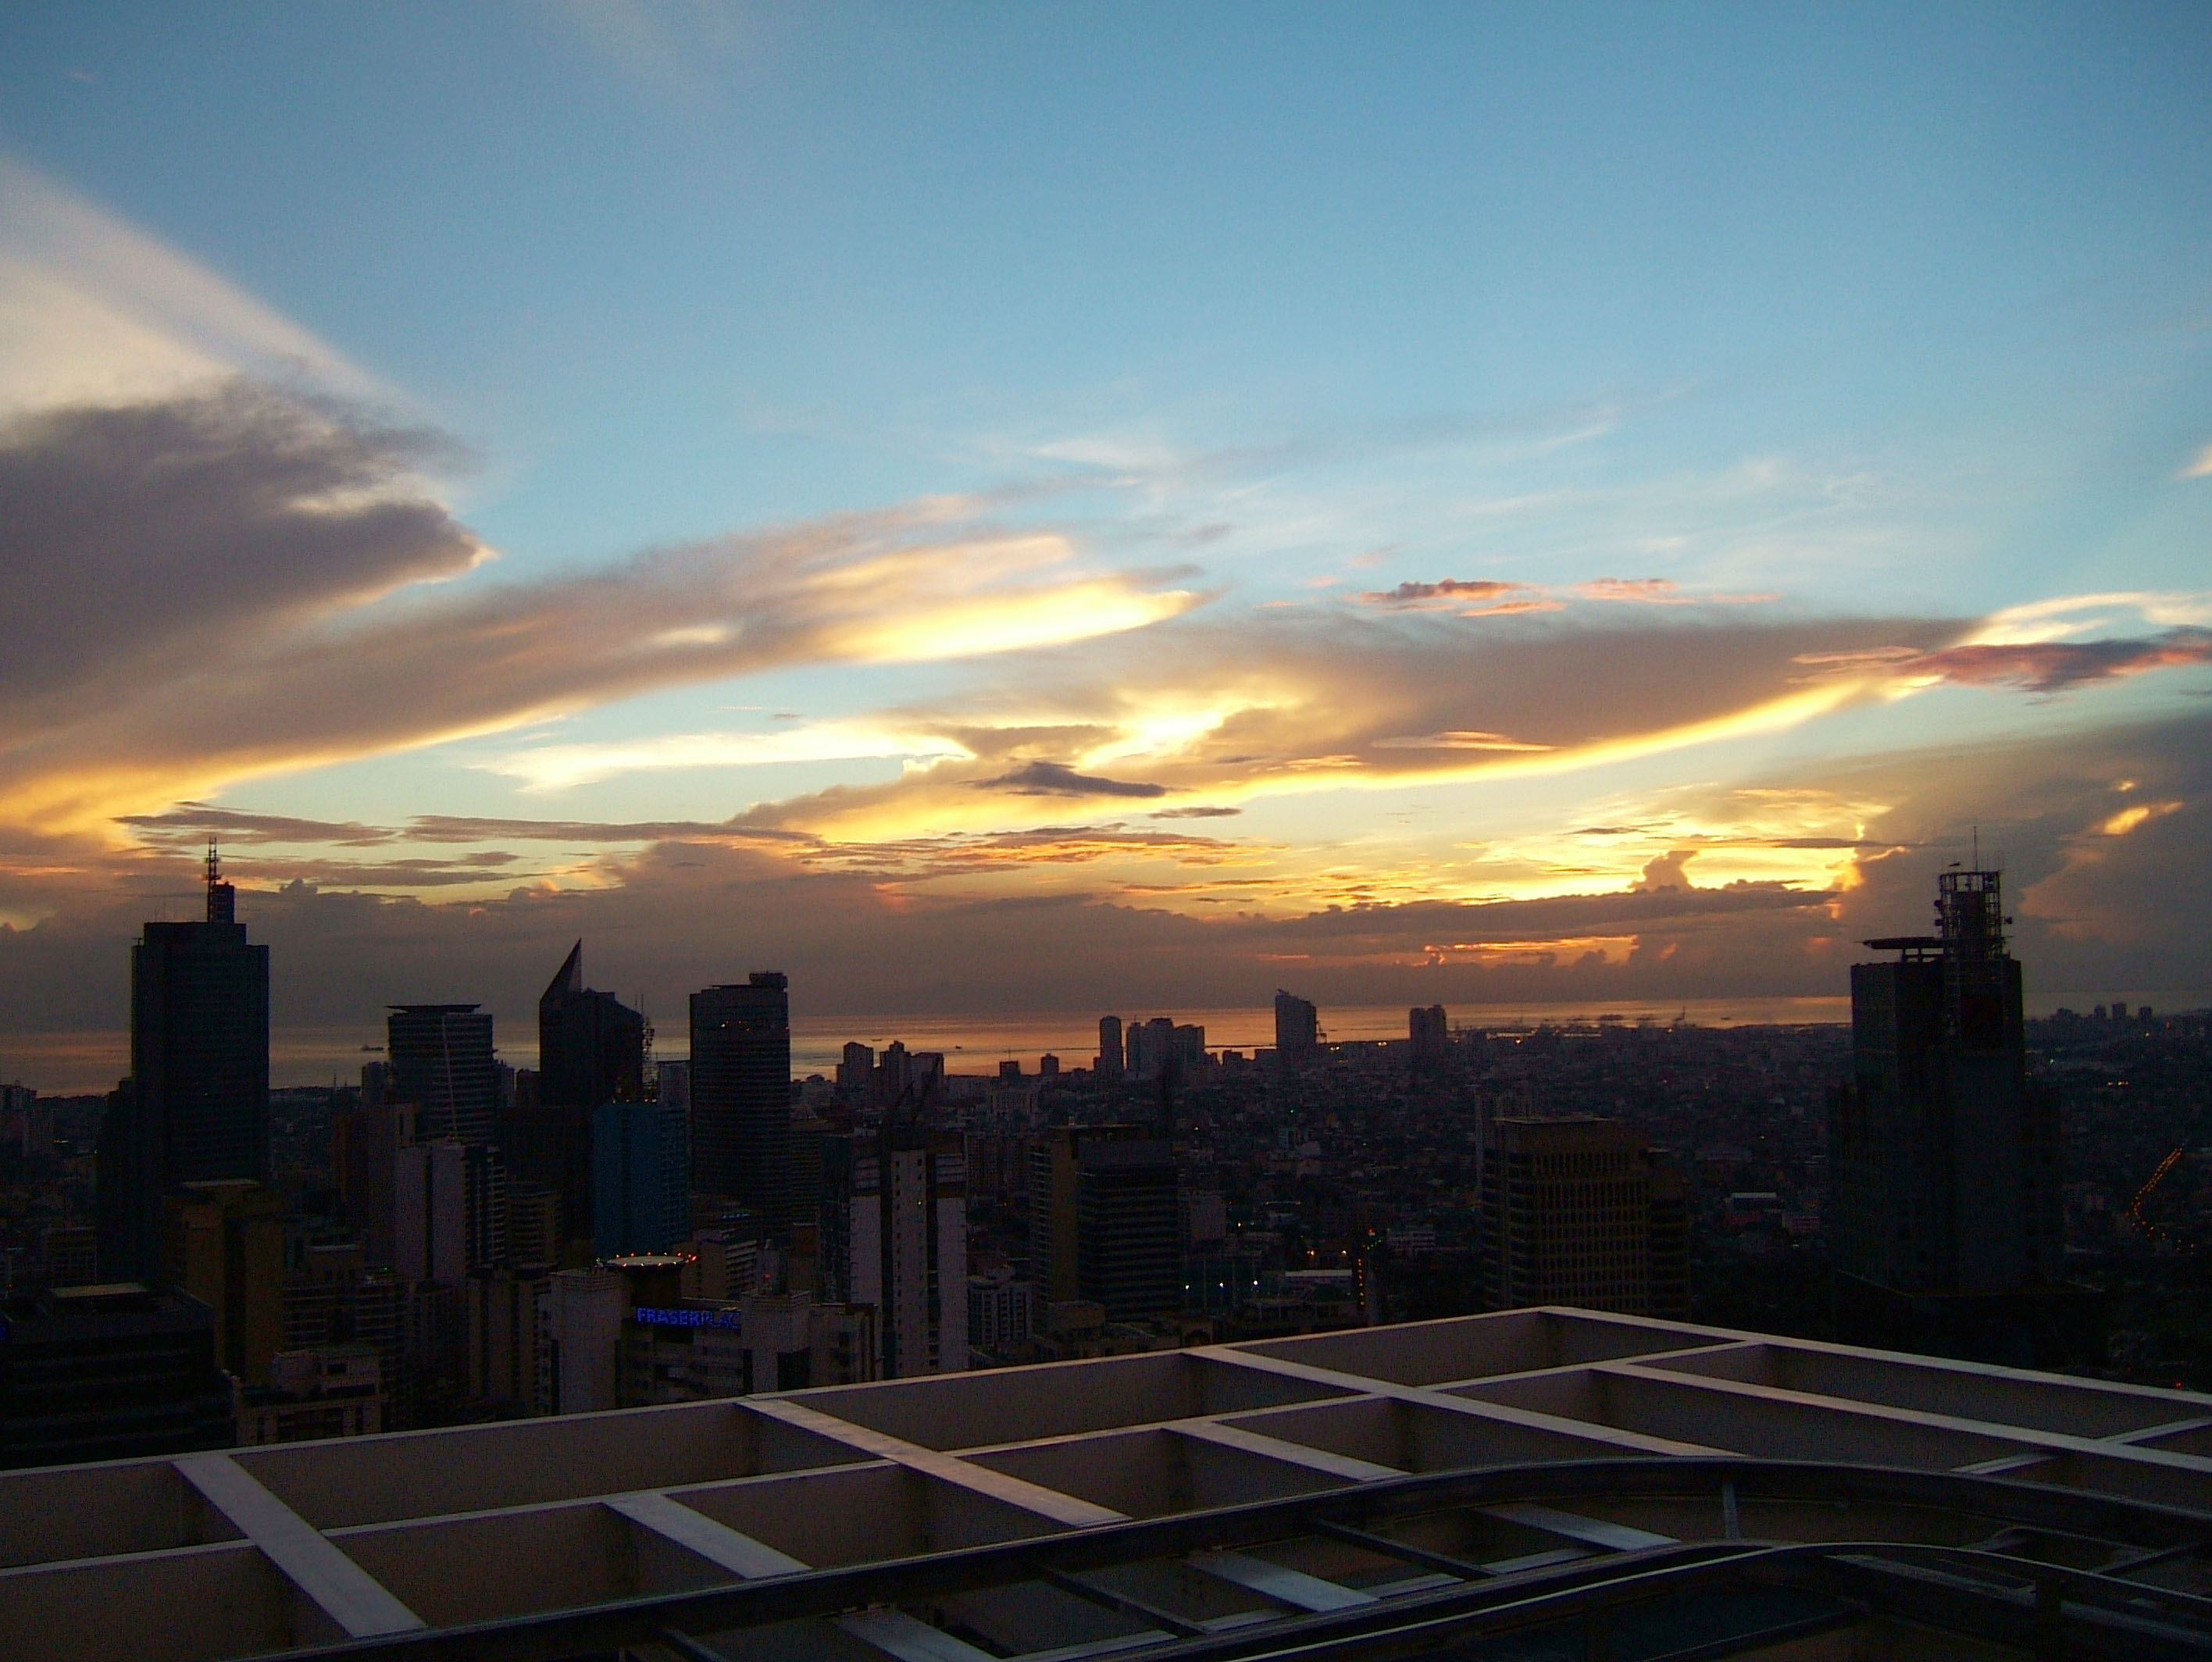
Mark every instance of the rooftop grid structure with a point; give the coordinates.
(1531, 1484)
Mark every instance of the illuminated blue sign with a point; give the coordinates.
(650, 1316)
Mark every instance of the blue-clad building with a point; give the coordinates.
(641, 1177)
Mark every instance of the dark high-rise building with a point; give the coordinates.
(1945, 1215)
(366, 1144)
(440, 1060)
(591, 1051)
(1152, 1047)
(1128, 1227)
(1582, 1212)
(1110, 1046)
(591, 1045)
(1297, 1027)
(1104, 1220)
(197, 1105)
(1430, 1035)
(856, 1069)
(107, 1373)
(641, 1178)
(741, 1095)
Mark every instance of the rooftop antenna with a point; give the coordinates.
(222, 898)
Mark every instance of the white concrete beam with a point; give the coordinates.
(1635, 1443)
(717, 1543)
(1064, 1509)
(1593, 1531)
(1289, 1587)
(360, 1604)
(1277, 1448)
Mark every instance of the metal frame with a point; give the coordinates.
(2045, 1608)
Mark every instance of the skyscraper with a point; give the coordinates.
(1150, 1046)
(641, 1177)
(895, 1215)
(741, 1095)
(1110, 1046)
(591, 1051)
(1128, 1227)
(1298, 1027)
(1104, 1223)
(1430, 1035)
(440, 1060)
(1942, 1154)
(591, 1045)
(1581, 1212)
(365, 1148)
(856, 1069)
(449, 1210)
(196, 1106)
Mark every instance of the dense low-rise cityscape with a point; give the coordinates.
(196, 1261)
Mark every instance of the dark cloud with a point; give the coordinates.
(1054, 779)
(2054, 666)
(1198, 813)
(234, 826)
(408, 874)
(141, 543)
(1448, 588)
(214, 586)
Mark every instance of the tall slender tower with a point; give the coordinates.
(1942, 1154)
(1109, 1048)
(197, 1105)
(741, 1095)
(591, 1051)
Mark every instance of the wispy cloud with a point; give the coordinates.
(94, 310)
(1459, 740)
(1661, 592)
(560, 767)
(1493, 597)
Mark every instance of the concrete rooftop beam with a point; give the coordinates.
(358, 1604)
(1498, 1413)
(1063, 1509)
(717, 1543)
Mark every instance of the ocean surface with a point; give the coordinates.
(92, 1060)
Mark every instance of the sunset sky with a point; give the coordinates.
(1002, 508)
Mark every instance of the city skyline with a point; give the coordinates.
(1045, 516)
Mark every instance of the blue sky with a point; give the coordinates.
(1101, 360)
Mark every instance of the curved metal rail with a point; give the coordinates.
(2045, 1608)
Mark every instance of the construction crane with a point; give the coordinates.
(2134, 1207)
